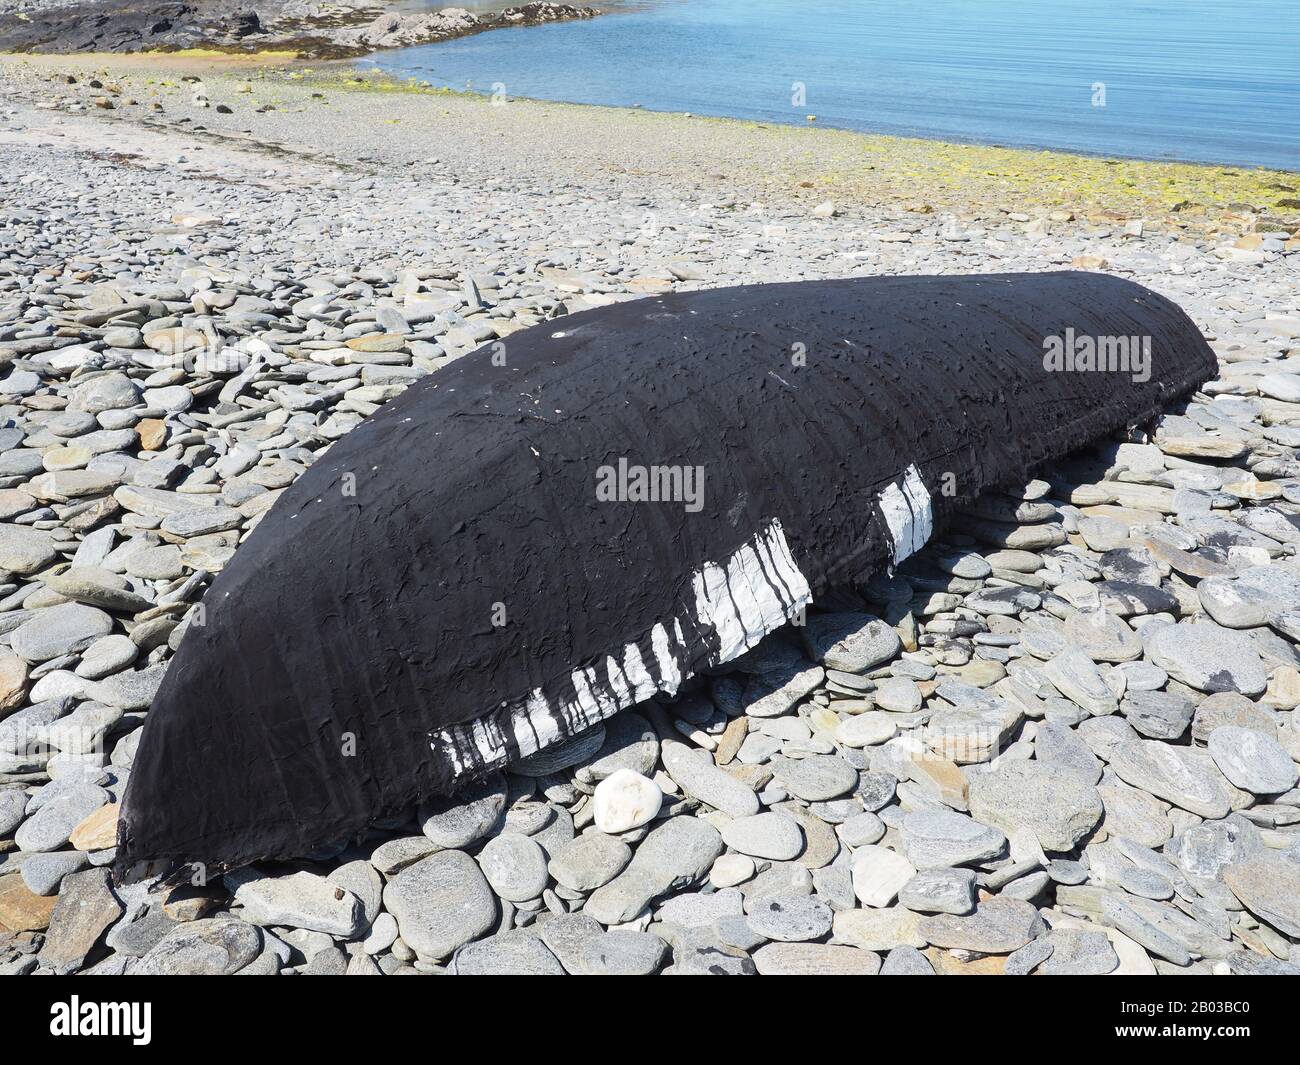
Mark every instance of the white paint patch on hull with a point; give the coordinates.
(738, 601)
(908, 514)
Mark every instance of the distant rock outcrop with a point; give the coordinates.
(332, 28)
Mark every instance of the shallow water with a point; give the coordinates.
(1197, 80)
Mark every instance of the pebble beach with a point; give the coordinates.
(1061, 739)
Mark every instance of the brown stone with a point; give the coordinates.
(97, 832)
(190, 903)
(378, 342)
(942, 779)
(1184, 562)
(946, 964)
(1283, 688)
(731, 739)
(98, 511)
(153, 433)
(821, 844)
(755, 776)
(1202, 447)
(13, 683)
(21, 910)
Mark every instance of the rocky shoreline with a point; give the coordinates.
(333, 29)
(1063, 739)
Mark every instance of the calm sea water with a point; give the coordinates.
(1201, 80)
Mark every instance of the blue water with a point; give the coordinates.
(1199, 80)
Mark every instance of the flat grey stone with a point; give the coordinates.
(1077, 677)
(566, 935)
(1248, 963)
(815, 959)
(24, 550)
(861, 830)
(590, 860)
(13, 803)
(1135, 814)
(360, 878)
(515, 953)
(1102, 637)
(1236, 605)
(852, 643)
(630, 743)
(898, 695)
(876, 789)
(1104, 734)
(879, 929)
(1058, 808)
(1142, 676)
(43, 873)
(1209, 658)
(998, 926)
(136, 937)
(396, 854)
(1251, 760)
(83, 730)
(107, 655)
(767, 835)
(466, 817)
(131, 690)
(441, 903)
(1269, 887)
(701, 909)
(1144, 883)
(209, 947)
(59, 630)
(620, 952)
(560, 756)
(1120, 913)
(815, 778)
(1229, 708)
(791, 918)
(1079, 953)
(775, 694)
(299, 900)
(328, 962)
(698, 952)
(1024, 961)
(906, 961)
(675, 855)
(85, 910)
(696, 775)
(833, 884)
(1062, 747)
(515, 866)
(107, 391)
(937, 839)
(49, 827)
(1159, 715)
(1173, 774)
(1206, 849)
(940, 891)
(1006, 602)
(735, 931)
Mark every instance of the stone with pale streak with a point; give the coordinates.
(879, 874)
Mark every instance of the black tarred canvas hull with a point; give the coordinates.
(452, 586)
